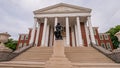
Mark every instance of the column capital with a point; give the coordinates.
(55, 17)
(88, 17)
(35, 19)
(77, 18)
(45, 18)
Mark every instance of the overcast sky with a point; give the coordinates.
(16, 16)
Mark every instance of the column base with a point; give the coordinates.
(80, 45)
(44, 46)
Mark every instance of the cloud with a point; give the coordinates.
(104, 12)
(34, 4)
(17, 16)
(11, 24)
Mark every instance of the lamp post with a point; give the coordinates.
(118, 36)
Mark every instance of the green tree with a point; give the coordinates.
(112, 33)
(11, 44)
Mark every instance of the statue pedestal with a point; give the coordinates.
(58, 59)
(3, 48)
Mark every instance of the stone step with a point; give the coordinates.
(22, 64)
(31, 64)
(74, 54)
(96, 65)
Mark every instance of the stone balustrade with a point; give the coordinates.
(6, 56)
(113, 55)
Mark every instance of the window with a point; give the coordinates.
(101, 37)
(26, 37)
(103, 45)
(108, 46)
(25, 44)
(94, 30)
(20, 46)
(22, 37)
(106, 37)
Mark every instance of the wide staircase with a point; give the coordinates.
(80, 57)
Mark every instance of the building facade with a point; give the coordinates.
(77, 27)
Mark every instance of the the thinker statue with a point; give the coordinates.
(57, 33)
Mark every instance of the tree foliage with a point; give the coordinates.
(11, 44)
(112, 33)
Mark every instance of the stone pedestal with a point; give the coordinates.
(58, 59)
(3, 48)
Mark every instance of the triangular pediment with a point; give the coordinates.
(63, 8)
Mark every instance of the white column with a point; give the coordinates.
(67, 32)
(73, 37)
(91, 30)
(76, 35)
(87, 34)
(56, 21)
(80, 43)
(37, 36)
(51, 36)
(47, 36)
(44, 32)
(33, 32)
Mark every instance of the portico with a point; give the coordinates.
(76, 22)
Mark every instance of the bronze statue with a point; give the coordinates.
(57, 33)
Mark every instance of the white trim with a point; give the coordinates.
(37, 36)
(22, 37)
(63, 15)
(108, 45)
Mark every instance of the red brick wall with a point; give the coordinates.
(18, 41)
(102, 41)
(83, 33)
(49, 36)
(70, 34)
(29, 35)
(22, 41)
(35, 36)
(110, 41)
(97, 35)
(106, 41)
(40, 34)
